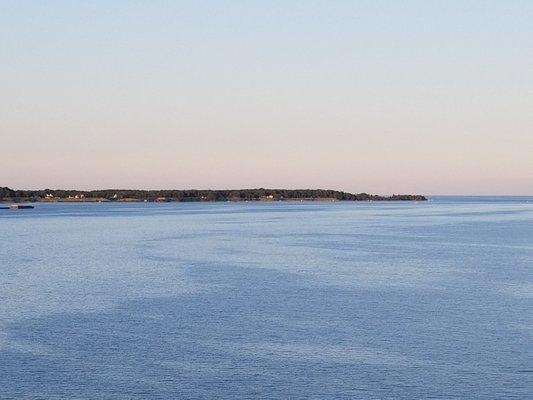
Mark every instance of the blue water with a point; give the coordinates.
(268, 300)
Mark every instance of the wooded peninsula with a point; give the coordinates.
(49, 195)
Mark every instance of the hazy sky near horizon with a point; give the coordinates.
(431, 97)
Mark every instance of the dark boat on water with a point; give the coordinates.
(20, 206)
(17, 207)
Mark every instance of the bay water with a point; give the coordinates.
(274, 300)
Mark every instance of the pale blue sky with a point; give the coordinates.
(376, 96)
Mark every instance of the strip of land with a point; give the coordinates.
(48, 195)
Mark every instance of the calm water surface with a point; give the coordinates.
(268, 300)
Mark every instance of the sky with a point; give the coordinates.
(430, 97)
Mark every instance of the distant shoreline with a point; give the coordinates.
(131, 195)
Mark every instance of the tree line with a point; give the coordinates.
(7, 194)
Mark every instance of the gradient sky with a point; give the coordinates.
(432, 97)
